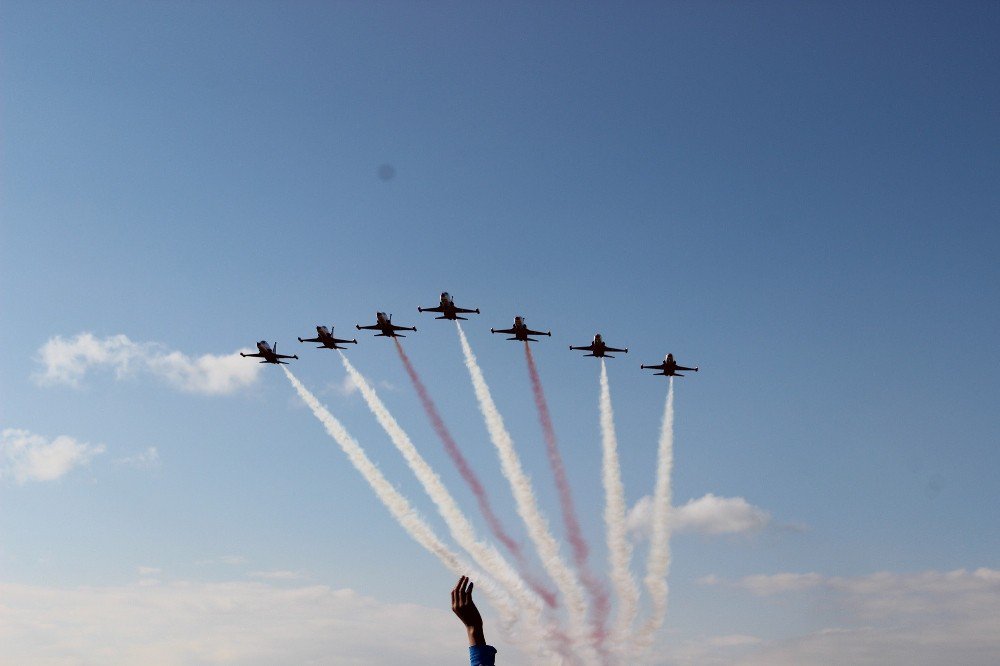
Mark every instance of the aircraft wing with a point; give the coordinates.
(661, 366)
(615, 349)
(589, 347)
(373, 327)
(402, 328)
(505, 331)
(466, 311)
(253, 355)
(528, 331)
(681, 367)
(436, 308)
(310, 340)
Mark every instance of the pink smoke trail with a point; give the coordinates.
(472, 479)
(596, 589)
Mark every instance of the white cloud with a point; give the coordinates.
(30, 457)
(766, 585)
(149, 571)
(925, 618)
(280, 574)
(232, 560)
(147, 459)
(707, 515)
(247, 623)
(67, 361)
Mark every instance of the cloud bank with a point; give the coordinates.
(148, 459)
(67, 362)
(931, 617)
(706, 515)
(243, 622)
(26, 456)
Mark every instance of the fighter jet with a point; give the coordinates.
(326, 340)
(598, 348)
(669, 367)
(269, 355)
(384, 324)
(520, 331)
(448, 309)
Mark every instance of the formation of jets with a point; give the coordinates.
(520, 331)
(448, 310)
(668, 368)
(383, 324)
(268, 354)
(326, 340)
(598, 348)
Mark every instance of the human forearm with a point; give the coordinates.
(476, 636)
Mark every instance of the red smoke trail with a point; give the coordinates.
(471, 478)
(602, 603)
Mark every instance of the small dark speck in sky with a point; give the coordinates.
(386, 172)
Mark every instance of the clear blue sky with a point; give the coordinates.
(800, 198)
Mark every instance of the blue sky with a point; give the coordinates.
(801, 199)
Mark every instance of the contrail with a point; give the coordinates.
(659, 548)
(461, 529)
(578, 545)
(619, 547)
(527, 506)
(399, 506)
(471, 478)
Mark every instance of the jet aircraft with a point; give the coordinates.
(520, 331)
(598, 348)
(326, 340)
(448, 309)
(669, 367)
(269, 355)
(384, 324)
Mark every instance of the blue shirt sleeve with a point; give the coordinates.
(482, 655)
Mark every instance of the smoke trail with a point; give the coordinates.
(399, 506)
(415, 526)
(459, 526)
(578, 545)
(471, 478)
(527, 506)
(659, 549)
(619, 547)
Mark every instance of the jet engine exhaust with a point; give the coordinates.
(578, 544)
(399, 506)
(471, 478)
(527, 505)
(658, 564)
(458, 524)
(619, 546)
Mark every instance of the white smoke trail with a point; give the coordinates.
(658, 564)
(619, 546)
(458, 524)
(399, 506)
(527, 506)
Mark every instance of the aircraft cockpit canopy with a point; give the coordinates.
(445, 296)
